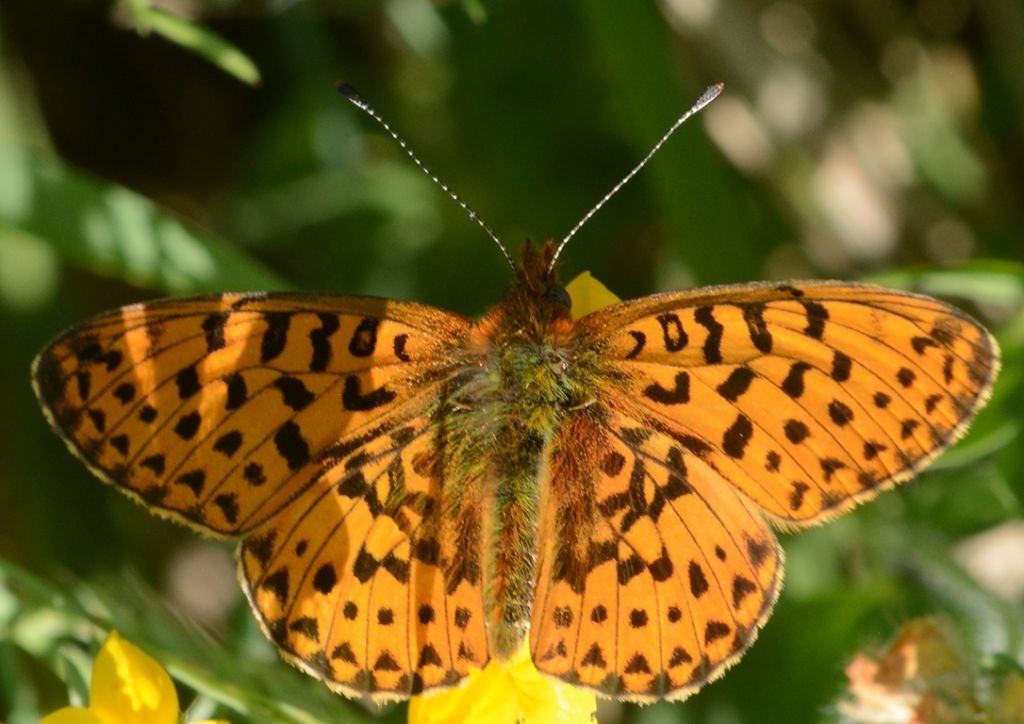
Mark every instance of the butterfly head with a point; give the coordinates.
(537, 285)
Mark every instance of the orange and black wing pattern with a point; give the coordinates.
(727, 408)
(303, 424)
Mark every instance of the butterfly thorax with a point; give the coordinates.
(527, 377)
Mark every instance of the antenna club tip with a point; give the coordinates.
(348, 90)
(712, 92)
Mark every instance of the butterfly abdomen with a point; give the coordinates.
(529, 378)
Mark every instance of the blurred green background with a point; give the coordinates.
(184, 146)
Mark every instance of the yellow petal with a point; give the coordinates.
(130, 687)
(504, 693)
(588, 295)
(71, 715)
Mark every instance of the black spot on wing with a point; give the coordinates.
(120, 443)
(238, 393)
(425, 614)
(715, 630)
(713, 344)
(741, 588)
(793, 385)
(84, 381)
(817, 315)
(841, 366)
(291, 445)
(156, 463)
(872, 448)
(920, 344)
(112, 358)
(673, 334)
(638, 664)
(294, 392)
(760, 337)
(638, 618)
(758, 551)
(86, 348)
(698, 581)
(796, 494)
(735, 439)
(679, 394)
(907, 427)
(639, 341)
(737, 383)
(277, 583)
(188, 425)
(613, 463)
(320, 340)
(194, 480)
(228, 443)
(125, 392)
(253, 473)
(275, 337)
(364, 338)
(325, 579)
(353, 399)
(213, 327)
(99, 419)
(829, 467)
(594, 657)
(307, 627)
(187, 381)
(399, 347)
(840, 412)
(228, 504)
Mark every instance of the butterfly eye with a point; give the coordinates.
(557, 294)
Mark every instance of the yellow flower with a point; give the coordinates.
(515, 691)
(504, 693)
(127, 687)
(588, 295)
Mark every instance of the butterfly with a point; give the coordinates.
(417, 493)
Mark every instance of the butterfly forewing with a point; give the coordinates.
(806, 397)
(213, 410)
(306, 424)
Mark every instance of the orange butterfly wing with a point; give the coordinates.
(800, 400)
(303, 423)
(656, 583)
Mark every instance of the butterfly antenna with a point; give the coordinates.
(709, 95)
(359, 102)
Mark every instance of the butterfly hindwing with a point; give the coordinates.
(808, 397)
(351, 581)
(667, 581)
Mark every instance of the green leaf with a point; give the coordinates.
(198, 39)
(116, 232)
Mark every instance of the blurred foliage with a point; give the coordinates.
(858, 139)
